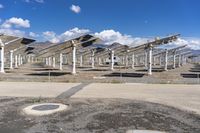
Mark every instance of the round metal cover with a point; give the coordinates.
(44, 109)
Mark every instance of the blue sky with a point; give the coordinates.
(124, 18)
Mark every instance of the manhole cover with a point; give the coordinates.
(143, 131)
(44, 109)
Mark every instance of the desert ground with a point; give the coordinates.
(100, 100)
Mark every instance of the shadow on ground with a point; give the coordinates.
(117, 74)
(153, 70)
(190, 75)
(97, 70)
(49, 74)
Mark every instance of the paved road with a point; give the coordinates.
(34, 89)
(185, 97)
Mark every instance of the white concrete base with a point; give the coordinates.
(99, 77)
(30, 111)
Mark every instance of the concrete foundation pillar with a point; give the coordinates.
(174, 61)
(19, 60)
(112, 62)
(46, 61)
(73, 58)
(160, 60)
(154, 61)
(61, 61)
(16, 61)
(49, 61)
(133, 61)
(92, 58)
(150, 61)
(81, 61)
(126, 61)
(179, 60)
(11, 59)
(2, 56)
(123, 60)
(54, 62)
(99, 61)
(166, 60)
(146, 59)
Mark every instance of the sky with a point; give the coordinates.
(128, 22)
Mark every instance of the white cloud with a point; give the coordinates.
(67, 35)
(39, 1)
(9, 26)
(193, 43)
(1, 6)
(32, 34)
(16, 22)
(13, 32)
(111, 36)
(75, 8)
(50, 36)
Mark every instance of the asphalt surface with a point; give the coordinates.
(96, 115)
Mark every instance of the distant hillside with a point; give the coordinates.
(196, 52)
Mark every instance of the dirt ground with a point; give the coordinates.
(96, 115)
(37, 72)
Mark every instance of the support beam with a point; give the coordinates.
(49, 61)
(92, 58)
(61, 61)
(112, 62)
(160, 60)
(182, 56)
(166, 60)
(174, 60)
(73, 58)
(54, 62)
(11, 59)
(19, 60)
(150, 60)
(81, 60)
(46, 61)
(146, 59)
(185, 60)
(123, 60)
(179, 60)
(126, 60)
(99, 61)
(133, 61)
(16, 63)
(2, 56)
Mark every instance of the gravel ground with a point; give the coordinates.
(39, 73)
(96, 115)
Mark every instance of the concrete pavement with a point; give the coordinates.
(186, 97)
(34, 89)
